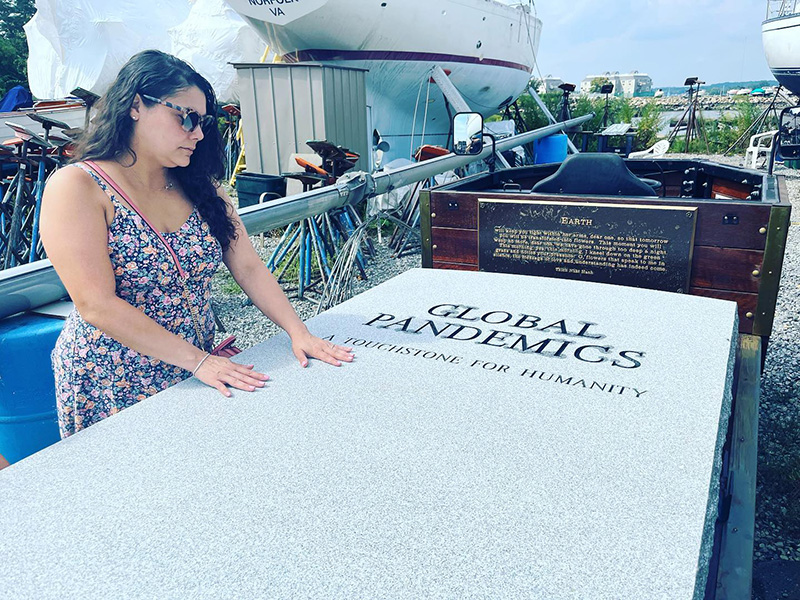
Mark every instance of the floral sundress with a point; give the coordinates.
(95, 375)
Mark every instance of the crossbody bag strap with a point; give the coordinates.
(182, 275)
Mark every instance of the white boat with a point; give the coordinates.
(72, 114)
(488, 48)
(780, 34)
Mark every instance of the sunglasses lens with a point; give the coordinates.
(191, 121)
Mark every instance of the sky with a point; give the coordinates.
(670, 40)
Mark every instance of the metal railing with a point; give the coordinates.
(782, 8)
(33, 285)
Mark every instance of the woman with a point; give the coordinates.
(137, 328)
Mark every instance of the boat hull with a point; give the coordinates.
(781, 39)
(487, 48)
(73, 116)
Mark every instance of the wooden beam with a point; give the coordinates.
(735, 575)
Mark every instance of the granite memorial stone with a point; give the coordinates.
(498, 436)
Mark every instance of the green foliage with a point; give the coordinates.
(722, 87)
(531, 114)
(746, 114)
(228, 283)
(721, 134)
(583, 105)
(597, 84)
(385, 225)
(620, 110)
(648, 127)
(696, 146)
(290, 272)
(626, 113)
(13, 45)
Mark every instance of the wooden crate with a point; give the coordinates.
(740, 236)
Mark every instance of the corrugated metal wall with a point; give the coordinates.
(284, 105)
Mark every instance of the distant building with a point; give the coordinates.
(548, 84)
(625, 84)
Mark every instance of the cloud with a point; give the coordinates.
(668, 39)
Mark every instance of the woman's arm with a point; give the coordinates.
(74, 230)
(262, 288)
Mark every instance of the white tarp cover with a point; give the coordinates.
(501, 129)
(83, 43)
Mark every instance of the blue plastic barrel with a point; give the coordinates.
(28, 419)
(550, 149)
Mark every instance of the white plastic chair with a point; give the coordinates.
(760, 147)
(658, 149)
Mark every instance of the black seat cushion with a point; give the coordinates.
(598, 174)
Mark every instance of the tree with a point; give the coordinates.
(13, 45)
(648, 127)
(597, 83)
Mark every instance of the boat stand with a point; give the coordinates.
(313, 244)
(761, 119)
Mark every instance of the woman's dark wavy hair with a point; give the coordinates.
(160, 75)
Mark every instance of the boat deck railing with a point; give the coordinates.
(777, 9)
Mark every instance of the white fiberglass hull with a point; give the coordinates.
(781, 38)
(488, 49)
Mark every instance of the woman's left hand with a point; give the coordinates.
(305, 346)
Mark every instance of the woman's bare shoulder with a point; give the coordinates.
(71, 176)
(72, 184)
(72, 191)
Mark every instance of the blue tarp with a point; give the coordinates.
(16, 97)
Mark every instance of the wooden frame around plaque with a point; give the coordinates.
(626, 244)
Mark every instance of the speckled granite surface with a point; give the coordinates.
(415, 472)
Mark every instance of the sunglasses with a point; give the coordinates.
(191, 118)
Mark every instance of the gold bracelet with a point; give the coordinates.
(200, 364)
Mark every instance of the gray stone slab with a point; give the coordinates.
(418, 471)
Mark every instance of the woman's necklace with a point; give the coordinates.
(167, 186)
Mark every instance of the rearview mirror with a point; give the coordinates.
(789, 133)
(468, 133)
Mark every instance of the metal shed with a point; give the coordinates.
(285, 105)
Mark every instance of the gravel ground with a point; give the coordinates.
(250, 327)
(777, 536)
(778, 488)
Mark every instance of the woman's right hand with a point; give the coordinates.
(220, 372)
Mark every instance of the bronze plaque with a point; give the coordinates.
(626, 244)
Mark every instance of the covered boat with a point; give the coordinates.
(487, 47)
(781, 37)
